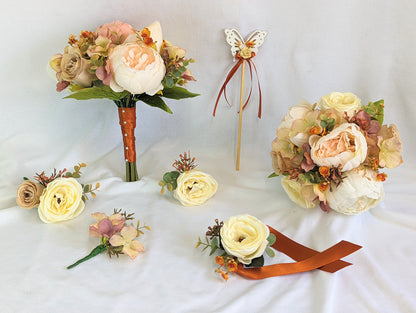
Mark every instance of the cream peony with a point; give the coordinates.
(244, 237)
(343, 102)
(344, 145)
(358, 192)
(28, 194)
(297, 192)
(136, 68)
(195, 187)
(61, 200)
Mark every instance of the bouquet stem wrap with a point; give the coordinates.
(307, 259)
(127, 117)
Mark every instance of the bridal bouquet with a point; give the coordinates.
(125, 65)
(333, 153)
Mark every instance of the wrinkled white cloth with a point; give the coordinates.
(312, 48)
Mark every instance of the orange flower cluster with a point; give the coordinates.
(227, 262)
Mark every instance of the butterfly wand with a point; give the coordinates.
(243, 51)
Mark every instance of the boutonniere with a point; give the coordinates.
(116, 237)
(58, 197)
(189, 186)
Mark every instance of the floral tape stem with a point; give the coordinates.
(96, 251)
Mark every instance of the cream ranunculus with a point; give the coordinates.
(297, 192)
(195, 187)
(61, 200)
(72, 67)
(344, 145)
(244, 237)
(28, 194)
(359, 191)
(343, 102)
(136, 68)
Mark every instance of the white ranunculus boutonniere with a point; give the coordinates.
(190, 186)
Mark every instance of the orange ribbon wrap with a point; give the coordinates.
(308, 259)
(127, 117)
(232, 73)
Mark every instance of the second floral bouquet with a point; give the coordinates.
(332, 153)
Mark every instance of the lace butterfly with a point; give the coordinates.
(244, 48)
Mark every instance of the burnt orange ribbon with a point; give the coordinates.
(307, 259)
(232, 73)
(127, 117)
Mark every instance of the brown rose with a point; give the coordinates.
(28, 194)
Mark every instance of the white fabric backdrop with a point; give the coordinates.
(312, 48)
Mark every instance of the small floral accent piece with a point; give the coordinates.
(115, 236)
(331, 153)
(58, 197)
(243, 240)
(190, 186)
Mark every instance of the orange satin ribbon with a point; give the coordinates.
(231, 74)
(127, 118)
(308, 259)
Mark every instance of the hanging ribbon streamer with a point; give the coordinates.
(307, 259)
(230, 76)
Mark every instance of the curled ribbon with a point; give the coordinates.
(307, 259)
(232, 73)
(127, 117)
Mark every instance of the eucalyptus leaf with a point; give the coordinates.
(270, 252)
(177, 93)
(271, 239)
(170, 178)
(101, 92)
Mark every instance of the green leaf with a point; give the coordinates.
(76, 175)
(214, 245)
(102, 92)
(271, 239)
(177, 93)
(169, 81)
(272, 175)
(257, 262)
(270, 252)
(170, 178)
(154, 101)
(375, 110)
(25, 178)
(68, 174)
